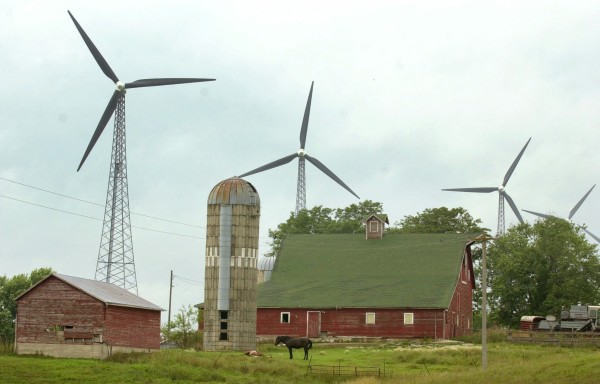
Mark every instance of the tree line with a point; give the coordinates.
(533, 269)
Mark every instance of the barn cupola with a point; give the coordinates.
(375, 225)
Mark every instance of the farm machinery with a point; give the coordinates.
(579, 318)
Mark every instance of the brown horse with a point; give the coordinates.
(295, 342)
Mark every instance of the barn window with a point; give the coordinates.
(370, 318)
(285, 317)
(409, 318)
(374, 226)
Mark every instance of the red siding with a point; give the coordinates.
(132, 327)
(456, 320)
(54, 304)
(55, 312)
(352, 322)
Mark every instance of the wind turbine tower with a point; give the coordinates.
(115, 258)
(502, 194)
(302, 156)
(571, 214)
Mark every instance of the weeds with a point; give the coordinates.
(416, 364)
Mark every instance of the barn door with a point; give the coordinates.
(313, 323)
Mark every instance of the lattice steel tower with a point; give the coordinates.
(501, 226)
(302, 157)
(301, 188)
(503, 195)
(115, 259)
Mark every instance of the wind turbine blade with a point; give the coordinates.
(168, 81)
(514, 207)
(514, 164)
(273, 164)
(543, 215)
(99, 59)
(110, 108)
(477, 190)
(304, 128)
(576, 207)
(326, 171)
(592, 235)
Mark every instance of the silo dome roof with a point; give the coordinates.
(266, 263)
(234, 191)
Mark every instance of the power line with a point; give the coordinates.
(100, 205)
(189, 281)
(95, 218)
(93, 203)
(54, 209)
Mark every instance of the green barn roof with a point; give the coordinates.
(345, 270)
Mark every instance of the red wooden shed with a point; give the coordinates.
(66, 316)
(400, 286)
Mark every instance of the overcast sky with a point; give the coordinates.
(410, 97)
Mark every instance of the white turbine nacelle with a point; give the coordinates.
(120, 86)
(501, 189)
(301, 153)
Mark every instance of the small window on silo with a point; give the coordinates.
(223, 336)
(285, 317)
(409, 318)
(370, 318)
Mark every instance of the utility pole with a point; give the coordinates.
(170, 295)
(483, 238)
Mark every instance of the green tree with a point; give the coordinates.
(320, 219)
(541, 268)
(183, 330)
(10, 289)
(350, 219)
(439, 220)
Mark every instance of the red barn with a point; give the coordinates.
(399, 286)
(67, 316)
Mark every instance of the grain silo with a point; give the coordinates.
(231, 266)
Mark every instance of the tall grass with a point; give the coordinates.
(6, 348)
(402, 362)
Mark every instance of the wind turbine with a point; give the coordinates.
(115, 258)
(571, 214)
(302, 156)
(503, 195)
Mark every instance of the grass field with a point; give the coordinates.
(401, 363)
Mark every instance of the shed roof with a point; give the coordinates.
(379, 216)
(108, 293)
(345, 270)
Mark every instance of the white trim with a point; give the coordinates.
(367, 315)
